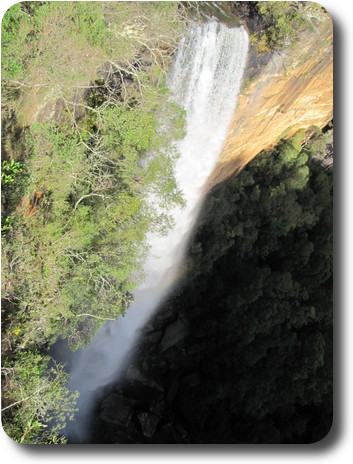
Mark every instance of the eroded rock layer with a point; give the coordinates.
(293, 91)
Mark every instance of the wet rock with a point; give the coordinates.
(174, 333)
(135, 375)
(165, 315)
(148, 328)
(117, 409)
(148, 423)
(154, 337)
(145, 365)
(192, 380)
(171, 433)
(157, 407)
(182, 315)
(165, 435)
(196, 349)
(181, 431)
(173, 390)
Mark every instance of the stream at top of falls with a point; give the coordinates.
(205, 79)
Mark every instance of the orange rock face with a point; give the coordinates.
(293, 91)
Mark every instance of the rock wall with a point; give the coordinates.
(293, 90)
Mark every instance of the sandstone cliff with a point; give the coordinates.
(293, 90)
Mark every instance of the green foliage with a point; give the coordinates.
(37, 402)
(318, 141)
(260, 41)
(282, 21)
(54, 158)
(81, 243)
(13, 181)
(88, 21)
(9, 171)
(53, 49)
(131, 133)
(13, 34)
(259, 303)
(6, 225)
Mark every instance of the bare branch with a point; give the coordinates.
(86, 196)
(25, 399)
(95, 317)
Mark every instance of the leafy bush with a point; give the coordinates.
(282, 21)
(36, 400)
(9, 171)
(259, 304)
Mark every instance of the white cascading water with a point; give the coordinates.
(205, 79)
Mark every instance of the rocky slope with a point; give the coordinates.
(293, 90)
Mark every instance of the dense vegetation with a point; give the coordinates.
(259, 303)
(281, 23)
(82, 148)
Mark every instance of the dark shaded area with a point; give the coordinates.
(242, 353)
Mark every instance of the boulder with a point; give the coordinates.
(117, 409)
(192, 380)
(135, 375)
(148, 423)
(174, 333)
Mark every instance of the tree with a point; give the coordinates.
(36, 401)
(259, 304)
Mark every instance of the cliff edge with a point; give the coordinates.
(293, 90)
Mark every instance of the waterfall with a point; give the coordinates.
(205, 79)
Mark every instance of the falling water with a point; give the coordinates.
(205, 79)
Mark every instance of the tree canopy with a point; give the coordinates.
(258, 299)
